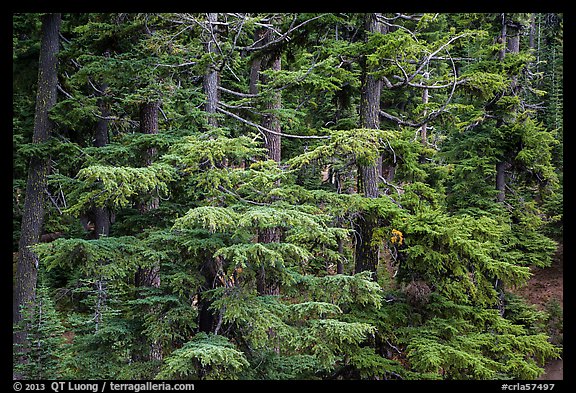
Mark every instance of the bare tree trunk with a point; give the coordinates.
(256, 64)
(424, 129)
(33, 214)
(503, 39)
(270, 60)
(212, 76)
(271, 119)
(532, 34)
(501, 168)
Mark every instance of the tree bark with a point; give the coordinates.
(150, 277)
(366, 254)
(271, 120)
(256, 63)
(212, 76)
(501, 168)
(101, 215)
(425, 99)
(270, 59)
(207, 318)
(33, 214)
(511, 35)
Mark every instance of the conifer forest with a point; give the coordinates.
(285, 196)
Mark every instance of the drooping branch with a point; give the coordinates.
(264, 129)
(237, 93)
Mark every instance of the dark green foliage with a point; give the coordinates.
(46, 344)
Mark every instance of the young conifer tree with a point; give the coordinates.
(225, 91)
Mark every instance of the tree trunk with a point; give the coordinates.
(271, 59)
(366, 253)
(370, 112)
(101, 215)
(532, 34)
(511, 35)
(501, 168)
(150, 277)
(207, 318)
(33, 214)
(256, 63)
(149, 125)
(271, 120)
(425, 99)
(212, 76)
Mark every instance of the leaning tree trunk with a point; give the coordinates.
(366, 254)
(33, 214)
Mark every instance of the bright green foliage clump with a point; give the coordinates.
(205, 357)
(255, 258)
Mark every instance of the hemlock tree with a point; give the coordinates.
(366, 255)
(33, 213)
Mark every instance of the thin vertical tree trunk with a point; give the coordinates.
(212, 76)
(33, 214)
(532, 34)
(101, 214)
(503, 38)
(425, 99)
(101, 139)
(511, 35)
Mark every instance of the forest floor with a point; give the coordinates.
(546, 285)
